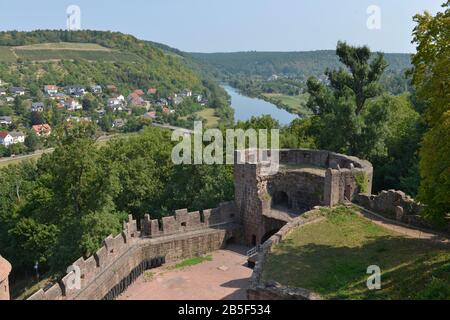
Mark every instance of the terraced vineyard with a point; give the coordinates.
(65, 51)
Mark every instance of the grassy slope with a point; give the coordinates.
(210, 115)
(64, 46)
(332, 256)
(94, 55)
(295, 104)
(6, 55)
(65, 51)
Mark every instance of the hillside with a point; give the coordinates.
(297, 64)
(34, 59)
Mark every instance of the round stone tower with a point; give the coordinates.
(5, 270)
(304, 179)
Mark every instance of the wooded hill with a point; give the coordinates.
(297, 64)
(34, 59)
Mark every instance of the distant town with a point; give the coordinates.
(75, 103)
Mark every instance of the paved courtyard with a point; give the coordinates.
(226, 277)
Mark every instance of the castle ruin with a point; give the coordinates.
(263, 205)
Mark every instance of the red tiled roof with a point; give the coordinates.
(39, 128)
(152, 91)
(134, 95)
(139, 92)
(3, 134)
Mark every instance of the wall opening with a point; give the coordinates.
(254, 241)
(280, 200)
(268, 235)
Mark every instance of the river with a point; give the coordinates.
(246, 107)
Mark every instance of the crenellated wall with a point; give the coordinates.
(184, 221)
(307, 178)
(121, 258)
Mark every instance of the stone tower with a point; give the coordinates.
(5, 270)
(306, 178)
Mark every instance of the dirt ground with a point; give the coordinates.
(226, 277)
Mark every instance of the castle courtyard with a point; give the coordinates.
(225, 277)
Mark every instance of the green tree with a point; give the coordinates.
(431, 78)
(32, 141)
(342, 121)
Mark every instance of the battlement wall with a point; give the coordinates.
(184, 221)
(122, 254)
(319, 158)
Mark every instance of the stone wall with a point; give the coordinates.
(269, 290)
(5, 269)
(394, 205)
(309, 178)
(182, 236)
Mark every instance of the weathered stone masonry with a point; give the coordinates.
(185, 235)
(307, 178)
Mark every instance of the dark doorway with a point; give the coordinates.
(254, 242)
(281, 200)
(268, 235)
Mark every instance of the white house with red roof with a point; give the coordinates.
(6, 139)
(50, 90)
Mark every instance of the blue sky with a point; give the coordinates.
(232, 25)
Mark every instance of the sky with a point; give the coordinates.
(234, 25)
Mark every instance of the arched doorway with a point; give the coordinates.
(280, 200)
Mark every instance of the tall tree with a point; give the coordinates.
(343, 122)
(432, 80)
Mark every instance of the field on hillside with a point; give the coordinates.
(6, 55)
(64, 46)
(331, 258)
(65, 51)
(296, 104)
(66, 54)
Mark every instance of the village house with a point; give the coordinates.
(186, 93)
(135, 99)
(2, 92)
(5, 120)
(119, 123)
(18, 137)
(9, 99)
(116, 103)
(75, 119)
(150, 115)
(96, 89)
(72, 105)
(76, 91)
(198, 97)
(152, 91)
(42, 130)
(17, 91)
(177, 100)
(6, 139)
(50, 90)
(37, 107)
